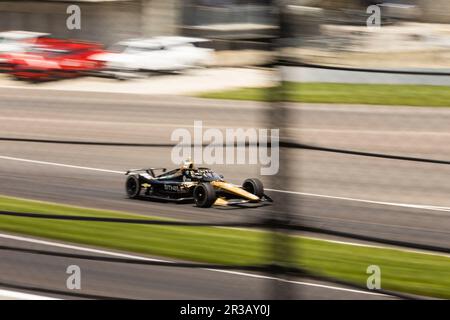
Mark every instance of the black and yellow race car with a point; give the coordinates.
(189, 184)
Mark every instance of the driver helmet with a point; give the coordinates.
(187, 165)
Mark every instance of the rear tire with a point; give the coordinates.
(204, 195)
(133, 187)
(254, 186)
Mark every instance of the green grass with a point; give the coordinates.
(373, 94)
(403, 271)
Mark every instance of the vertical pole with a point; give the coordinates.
(276, 116)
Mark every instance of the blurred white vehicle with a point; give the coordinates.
(17, 41)
(158, 54)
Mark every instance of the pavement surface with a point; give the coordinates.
(383, 198)
(116, 280)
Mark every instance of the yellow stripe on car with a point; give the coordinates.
(234, 189)
(221, 202)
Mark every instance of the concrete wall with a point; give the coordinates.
(433, 11)
(160, 17)
(106, 22)
(111, 21)
(437, 11)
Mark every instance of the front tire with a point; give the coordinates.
(133, 187)
(254, 186)
(204, 195)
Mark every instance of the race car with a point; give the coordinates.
(190, 184)
(55, 59)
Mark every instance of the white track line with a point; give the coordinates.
(129, 256)
(60, 165)
(395, 204)
(13, 295)
(405, 205)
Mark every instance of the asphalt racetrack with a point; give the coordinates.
(114, 280)
(378, 197)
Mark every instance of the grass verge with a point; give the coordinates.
(410, 272)
(372, 94)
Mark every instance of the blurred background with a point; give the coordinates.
(319, 27)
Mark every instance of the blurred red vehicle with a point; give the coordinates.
(16, 42)
(53, 59)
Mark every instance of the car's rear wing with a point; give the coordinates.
(150, 171)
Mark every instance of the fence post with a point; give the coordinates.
(282, 255)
